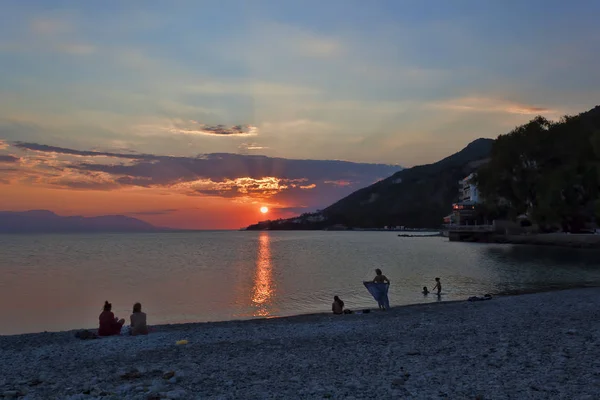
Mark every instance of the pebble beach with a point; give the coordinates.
(531, 346)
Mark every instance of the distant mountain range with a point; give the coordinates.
(43, 221)
(417, 197)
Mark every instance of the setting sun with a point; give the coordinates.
(264, 209)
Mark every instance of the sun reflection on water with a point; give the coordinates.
(263, 278)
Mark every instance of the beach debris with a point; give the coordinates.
(169, 375)
(571, 332)
(413, 353)
(180, 342)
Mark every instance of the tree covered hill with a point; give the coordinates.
(548, 170)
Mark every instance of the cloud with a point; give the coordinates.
(196, 128)
(339, 183)
(278, 181)
(251, 146)
(8, 159)
(42, 148)
(3, 144)
(308, 187)
(484, 104)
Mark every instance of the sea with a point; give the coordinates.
(55, 282)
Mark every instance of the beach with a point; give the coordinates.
(531, 346)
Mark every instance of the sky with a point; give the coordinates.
(194, 114)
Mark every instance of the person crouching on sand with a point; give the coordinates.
(138, 321)
(338, 306)
(109, 324)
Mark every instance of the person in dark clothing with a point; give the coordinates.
(383, 301)
(109, 324)
(338, 305)
(438, 286)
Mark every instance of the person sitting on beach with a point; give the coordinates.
(425, 291)
(438, 286)
(109, 324)
(338, 305)
(138, 321)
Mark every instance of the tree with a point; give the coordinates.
(548, 169)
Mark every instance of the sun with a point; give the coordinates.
(264, 209)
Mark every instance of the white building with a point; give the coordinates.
(463, 212)
(468, 192)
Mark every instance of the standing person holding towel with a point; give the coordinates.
(383, 284)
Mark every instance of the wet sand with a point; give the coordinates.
(532, 346)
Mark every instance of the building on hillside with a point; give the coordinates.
(463, 211)
(468, 190)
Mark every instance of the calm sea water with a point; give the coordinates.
(58, 282)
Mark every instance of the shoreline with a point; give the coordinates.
(301, 316)
(535, 346)
(574, 241)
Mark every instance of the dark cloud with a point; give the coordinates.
(8, 159)
(85, 153)
(223, 130)
(197, 128)
(309, 183)
(163, 170)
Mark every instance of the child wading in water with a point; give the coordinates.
(438, 286)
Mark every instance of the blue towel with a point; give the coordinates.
(379, 291)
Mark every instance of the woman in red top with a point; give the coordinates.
(109, 324)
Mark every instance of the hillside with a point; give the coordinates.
(417, 197)
(43, 221)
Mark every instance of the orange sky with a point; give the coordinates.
(211, 191)
(164, 209)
